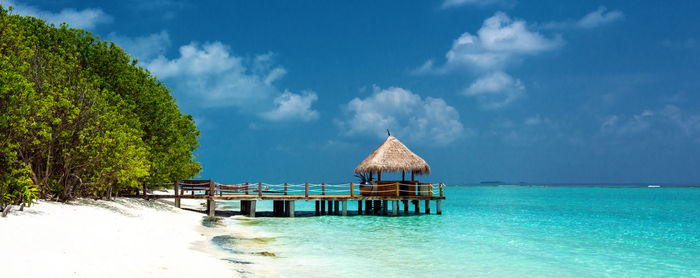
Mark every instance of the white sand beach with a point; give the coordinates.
(122, 238)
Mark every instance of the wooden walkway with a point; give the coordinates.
(333, 199)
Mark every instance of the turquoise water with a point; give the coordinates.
(498, 232)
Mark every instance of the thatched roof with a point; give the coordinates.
(393, 156)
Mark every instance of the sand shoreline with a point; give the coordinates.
(122, 238)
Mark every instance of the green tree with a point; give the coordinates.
(80, 118)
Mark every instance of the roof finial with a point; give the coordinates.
(387, 131)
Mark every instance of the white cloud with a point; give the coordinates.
(496, 90)
(599, 17)
(85, 19)
(665, 121)
(591, 20)
(406, 114)
(537, 120)
(531, 130)
(689, 124)
(143, 47)
(456, 3)
(499, 43)
(166, 9)
(292, 106)
(212, 76)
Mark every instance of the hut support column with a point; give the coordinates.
(345, 208)
(438, 207)
(323, 207)
(368, 207)
(244, 207)
(251, 208)
(405, 206)
(417, 206)
(337, 207)
(277, 210)
(384, 207)
(359, 207)
(427, 206)
(395, 208)
(318, 211)
(290, 208)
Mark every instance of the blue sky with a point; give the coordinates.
(539, 91)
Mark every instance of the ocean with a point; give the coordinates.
(488, 231)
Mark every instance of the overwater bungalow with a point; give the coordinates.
(392, 156)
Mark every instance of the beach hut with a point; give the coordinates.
(394, 157)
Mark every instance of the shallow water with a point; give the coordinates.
(495, 232)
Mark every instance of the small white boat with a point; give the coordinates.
(654, 186)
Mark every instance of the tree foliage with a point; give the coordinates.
(79, 117)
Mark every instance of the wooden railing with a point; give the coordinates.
(379, 188)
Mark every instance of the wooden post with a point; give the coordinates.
(306, 192)
(246, 188)
(177, 194)
(377, 206)
(323, 207)
(259, 189)
(417, 206)
(427, 206)
(438, 207)
(440, 189)
(276, 208)
(405, 206)
(244, 207)
(212, 208)
(345, 208)
(318, 212)
(412, 176)
(290, 208)
(359, 207)
(385, 204)
(352, 190)
(323, 188)
(337, 207)
(397, 188)
(331, 207)
(211, 204)
(251, 209)
(285, 188)
(6, 210)
(395, 208)
(368, 207)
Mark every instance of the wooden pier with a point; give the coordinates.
(329, 199)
